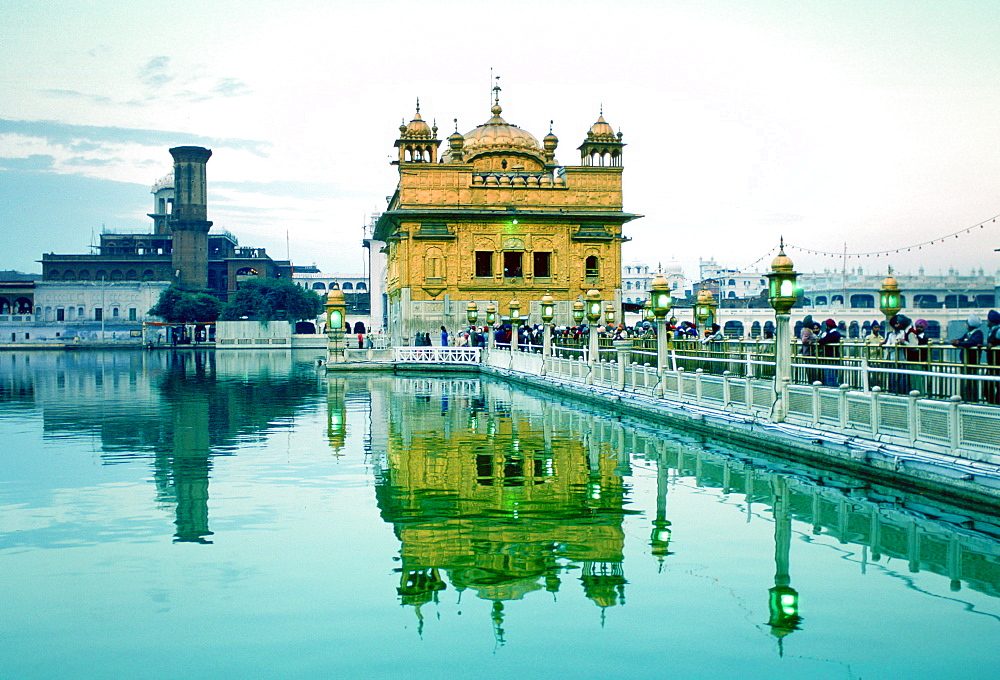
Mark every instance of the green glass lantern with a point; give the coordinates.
(548, 308)
(578, 312)
(781, 291)
(660, 298)
(593, 305)
(472, 312)
(889, 300)
(491, 314)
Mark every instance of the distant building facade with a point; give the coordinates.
(181, 248)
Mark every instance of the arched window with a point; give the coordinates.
(131, 275)
(319, 285)
(348, 285)
(53, 275)
(247, 271)
(590, 269)
(4, 306)
(84, 275)
(362, 286)
(68, 275)
(101, 275)
(732, 282)
(116, 274)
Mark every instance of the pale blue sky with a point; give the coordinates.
(870, 123)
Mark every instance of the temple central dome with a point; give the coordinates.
(498, 136)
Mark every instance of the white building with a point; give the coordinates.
(637, 279)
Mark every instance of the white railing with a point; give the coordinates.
(952, 427)
(437, 355)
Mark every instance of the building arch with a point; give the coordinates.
(54, 275)
(84, 275)
(863, 301)
(116, 274)
(348, 285)
(5, 306)
(131, 275)
(319, 285)
(361, 286)
(591, 267)
(22, 305)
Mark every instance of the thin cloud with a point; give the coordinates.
(63, 134)
(154, 73)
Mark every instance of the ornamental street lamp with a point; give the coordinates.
(660, 302)
(548, 313)
(888, 297)
(491, 319)
(472, 313)
(704, 308)
(578, 312)
(514, 306)
(782, 296)
(609, 313)
(336, 307)
(593, 315)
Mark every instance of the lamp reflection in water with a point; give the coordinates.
(503, 508)
(783, 600)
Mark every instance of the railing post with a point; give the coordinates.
(953, 424)
(842, 406)
(911, 415)
(876, 414)
(725, 388)
(697, 384)
(865, 381)
(546, 345)
(815, 402)
(624, 351)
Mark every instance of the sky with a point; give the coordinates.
(860, 125)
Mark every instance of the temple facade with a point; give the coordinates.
(494, 217)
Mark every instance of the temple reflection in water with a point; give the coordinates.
(486, 499)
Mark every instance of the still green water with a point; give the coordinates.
(232, 515)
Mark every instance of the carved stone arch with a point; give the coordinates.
(513, 243)
(485, 243)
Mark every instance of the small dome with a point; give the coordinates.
(550, 140)
(601, 131)
(165, 182)
(417, 128)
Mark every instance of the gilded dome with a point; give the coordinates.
(601, 131)
(417, 128)
(497, 135)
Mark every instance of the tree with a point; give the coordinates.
(270, 299)
(176, 306)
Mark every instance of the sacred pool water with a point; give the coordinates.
(232, 515)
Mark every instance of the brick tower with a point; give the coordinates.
(189, 219)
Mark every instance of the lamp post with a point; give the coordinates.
(578, 312)
(491, 319)
(548, 313)
(889, 297)
(781, 293)
(593, 315)
(609, 313)
(704, 309)
(515, 322)
(472, 313)
(660, 302)
(335, 309)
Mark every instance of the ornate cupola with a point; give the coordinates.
(550, 141)
(418, 142)
(602, 147)
(455, 143)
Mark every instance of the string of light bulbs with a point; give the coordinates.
(894, 251)
(875, 253)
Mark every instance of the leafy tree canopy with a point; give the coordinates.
(177, 305)
(270, 299)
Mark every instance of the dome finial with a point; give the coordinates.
(418, 106)
(456, 125)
